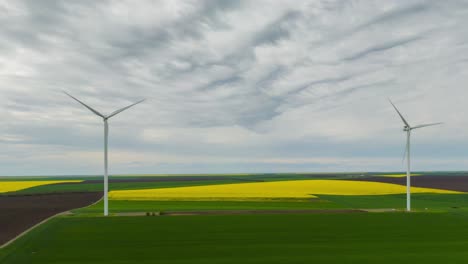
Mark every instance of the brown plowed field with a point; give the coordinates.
(170, 179)
(19, 213)
(454, 183)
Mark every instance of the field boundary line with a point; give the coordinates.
(256, 212)
(31, 228)
(88, 205)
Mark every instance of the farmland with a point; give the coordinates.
(421, 202)
(18, 213)
(398, 175)
(296, 218)
(13, 186)
(269, 190)
(326, 238)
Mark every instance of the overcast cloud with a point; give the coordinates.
(232, 86)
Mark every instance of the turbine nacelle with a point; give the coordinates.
(407, 126)
(104, 117)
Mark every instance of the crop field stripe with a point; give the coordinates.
(270, 190)
(421, 201)
(93, 187)
(129, 183)
(12, 186)
(402, 175)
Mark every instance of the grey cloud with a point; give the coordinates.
(394, 15)
(311, 84)
(383, 47)
(277, 30)
(282, 80)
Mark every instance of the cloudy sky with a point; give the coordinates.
(232, 86)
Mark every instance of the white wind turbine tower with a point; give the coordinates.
(407, 128)
(106, 136)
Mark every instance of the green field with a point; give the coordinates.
(327, 238)
(116, 206)
(420, 202)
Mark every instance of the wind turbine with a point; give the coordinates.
(106, 137)
(407, 128)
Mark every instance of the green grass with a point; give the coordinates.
(329, 238)
(418, 201)
(155, 206)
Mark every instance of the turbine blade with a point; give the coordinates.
(402, 118)
(426, 125)
(85, 105)
(123, 109)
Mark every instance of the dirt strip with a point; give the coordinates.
(243, 212)
(19, 213)
(238, 212)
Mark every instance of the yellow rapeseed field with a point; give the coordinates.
(269, 190)
(12, 186)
